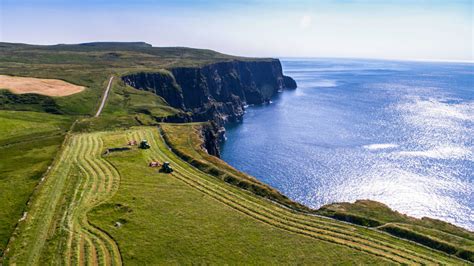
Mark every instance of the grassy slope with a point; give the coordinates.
(28, 142)
(184, 217)
(166, 221)
(186, 140)
(126, 107)
(163, 220)
(174, 209)
(56, 230)
(434, 233)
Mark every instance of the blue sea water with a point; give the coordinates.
(393, 131)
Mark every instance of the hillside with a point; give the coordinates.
(74, 192)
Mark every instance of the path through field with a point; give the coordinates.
(104, 97)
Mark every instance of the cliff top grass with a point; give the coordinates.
(113, 55)
(382, 214)
(427, 231)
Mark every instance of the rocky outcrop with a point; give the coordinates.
(218, 91)
(210, 135)
(289, 82)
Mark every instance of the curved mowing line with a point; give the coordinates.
(102, 243)
(99, 174)
(88, 179)
(78, 181)
(288, 220)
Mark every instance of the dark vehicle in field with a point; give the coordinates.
(166, 168)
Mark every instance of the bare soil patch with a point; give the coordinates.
(49, 87)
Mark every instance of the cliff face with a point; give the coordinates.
(210, 136)
(216, 92)
(160, 83)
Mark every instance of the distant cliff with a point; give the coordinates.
(218, 91)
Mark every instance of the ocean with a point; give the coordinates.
(397, 132)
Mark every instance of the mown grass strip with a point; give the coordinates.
(83, 243)
(102, 174)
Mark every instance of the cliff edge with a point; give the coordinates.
(218, 91)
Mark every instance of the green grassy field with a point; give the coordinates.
(28, 143)
(430, 232)
(56, 229)
(93, 206)
(165, 221)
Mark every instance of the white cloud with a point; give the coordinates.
(305, 21)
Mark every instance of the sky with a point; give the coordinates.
(396, 29)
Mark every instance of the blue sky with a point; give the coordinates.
(403, 29)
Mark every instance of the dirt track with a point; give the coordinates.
(104, 97)
(49, 87)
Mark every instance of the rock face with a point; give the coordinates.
(289, 83)
(210, 135)
(218, 91)
(160, 83)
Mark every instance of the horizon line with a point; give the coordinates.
(468, 61)
(464, 61)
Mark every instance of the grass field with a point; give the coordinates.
(430, 232)
(28, 143)
(178, 215)
(56, 229)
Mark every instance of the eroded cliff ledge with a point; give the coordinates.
(218, 91)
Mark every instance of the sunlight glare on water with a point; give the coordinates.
(392, 131)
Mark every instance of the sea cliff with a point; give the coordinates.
(216, 92)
